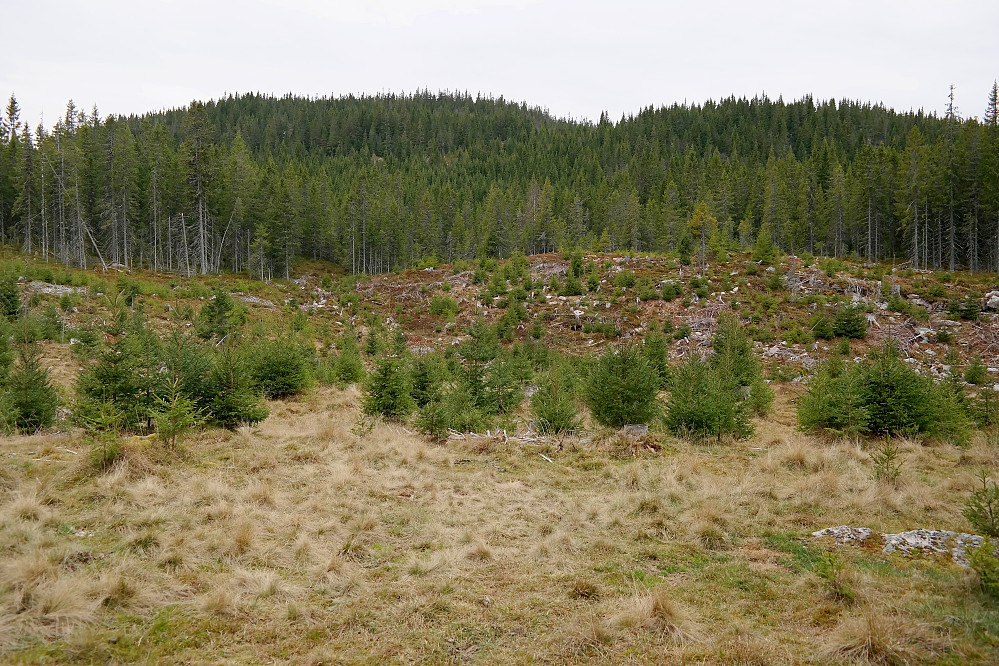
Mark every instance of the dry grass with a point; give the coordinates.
(299, 541)
(883, 639)
(659, 613)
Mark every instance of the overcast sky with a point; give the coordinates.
(574, 58)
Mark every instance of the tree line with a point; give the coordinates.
(253, 182)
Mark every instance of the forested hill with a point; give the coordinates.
(377, 183)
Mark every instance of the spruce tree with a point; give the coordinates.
(279, 368)
(704, 401)
(175, 415)
(553, 404)
(220, 317)
(387, 392)
(10, 298)
(623, 388)
(348, 367)
(834, 401)
(233, 400)
(30, 397)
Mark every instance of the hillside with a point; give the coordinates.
(326, 534)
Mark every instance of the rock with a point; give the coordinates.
(844, 535)
(253, 300)
(914, 543)
(634, 431)
(932, 542)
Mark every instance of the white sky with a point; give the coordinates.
(575, 58)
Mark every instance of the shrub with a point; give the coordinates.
(623, 388)
(387, 392)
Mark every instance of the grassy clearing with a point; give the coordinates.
(301, 542)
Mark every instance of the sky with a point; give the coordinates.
(576, 58)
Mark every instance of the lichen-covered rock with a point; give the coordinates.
(916, 543)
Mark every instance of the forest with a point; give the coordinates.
(251, 183)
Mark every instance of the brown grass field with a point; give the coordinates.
(300, 541)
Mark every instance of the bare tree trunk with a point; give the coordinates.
(187, 257)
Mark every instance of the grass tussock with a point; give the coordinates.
(882, 638)
(659, 613)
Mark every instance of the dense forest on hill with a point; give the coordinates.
(251, 182)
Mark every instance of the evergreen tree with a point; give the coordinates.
(233, 401)
(220, 317)
(553, 404)
(30, 399)
(623, 388)
(387, 392)
(279, 368)
(704, 401)
(175, 415)
(348, 368)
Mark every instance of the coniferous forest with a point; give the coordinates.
(249, 183)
